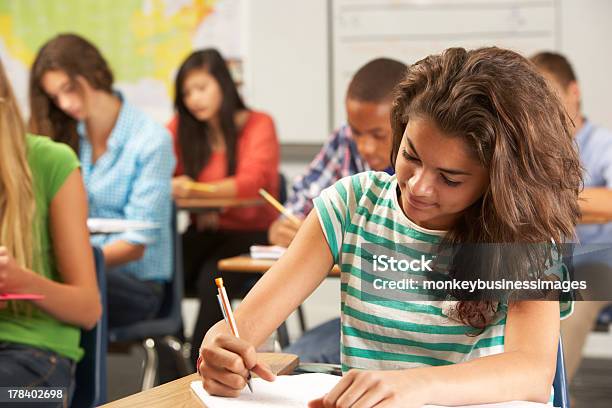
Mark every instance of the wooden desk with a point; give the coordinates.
(245, 263)
(215, 204)
(594, 219)
(178, 394)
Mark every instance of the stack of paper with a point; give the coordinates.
(297, 390)
(267, 251)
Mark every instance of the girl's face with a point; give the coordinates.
(202, 95)
(437, 176)
(64, 93)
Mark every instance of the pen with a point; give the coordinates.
(228, 315)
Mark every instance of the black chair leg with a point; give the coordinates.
(302, 318)
(181, 355)
(283, 335)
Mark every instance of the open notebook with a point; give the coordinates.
(296, 390)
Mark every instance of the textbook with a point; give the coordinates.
(297, 390)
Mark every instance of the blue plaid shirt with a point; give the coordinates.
(337, 159)
(132, 181)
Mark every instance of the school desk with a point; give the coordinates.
(595, 219)
(196, 205)
(178, 394)
(244, 263)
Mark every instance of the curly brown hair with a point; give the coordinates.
(517, 129)
(76, 57)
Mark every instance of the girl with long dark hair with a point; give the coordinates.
(221, 142)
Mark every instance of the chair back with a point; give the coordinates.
(90, 374)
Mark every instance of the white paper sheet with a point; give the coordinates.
(111, 225)
(286, 391)
(289, 391)
(267, 251)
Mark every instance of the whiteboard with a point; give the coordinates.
(286, 70)
(409, 30)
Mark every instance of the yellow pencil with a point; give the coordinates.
(281, 208)
(207, 188)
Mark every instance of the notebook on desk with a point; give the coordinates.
(286, 391)
(290, 391)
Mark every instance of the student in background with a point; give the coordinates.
(362, 144)
(233, 149)
(595, 148)
(44, 250)
(457, 119)
(126, 162)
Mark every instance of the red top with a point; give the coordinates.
(257, 162)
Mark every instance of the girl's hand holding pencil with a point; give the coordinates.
(226, 365)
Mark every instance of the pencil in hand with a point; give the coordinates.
(228, 315)
(281, 208)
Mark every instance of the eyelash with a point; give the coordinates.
(446, 181)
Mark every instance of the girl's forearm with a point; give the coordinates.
(71, 304)
(596, 202)
(510, 376)
(121, 252)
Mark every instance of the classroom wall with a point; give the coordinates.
(586, 39)
(286, 68)
(288, 63)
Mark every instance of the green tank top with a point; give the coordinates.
(50, 163)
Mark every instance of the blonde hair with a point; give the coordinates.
(17, 204)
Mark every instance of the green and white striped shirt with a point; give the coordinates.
(361, 212)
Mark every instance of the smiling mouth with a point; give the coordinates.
(418, 204)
